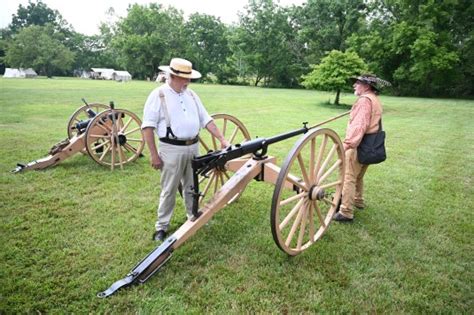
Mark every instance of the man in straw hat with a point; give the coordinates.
(364, 119)
(176, 114)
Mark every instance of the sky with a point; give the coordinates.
(85, 15)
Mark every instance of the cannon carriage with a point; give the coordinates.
(111, 137)
(308, 188)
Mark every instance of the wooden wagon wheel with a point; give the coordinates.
(307, 191)
(81, 115)
(235, 132)
(114, 139)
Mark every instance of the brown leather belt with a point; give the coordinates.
(179, 142)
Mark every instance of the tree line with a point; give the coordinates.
(424, 47)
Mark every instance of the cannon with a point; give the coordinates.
(308, 188)
(111, 137)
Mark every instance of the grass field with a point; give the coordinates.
(70, 231)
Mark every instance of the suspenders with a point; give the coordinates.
(169, 131)
(167, 117)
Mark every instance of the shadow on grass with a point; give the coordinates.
(329, 105)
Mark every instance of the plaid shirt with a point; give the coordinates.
(364, 118)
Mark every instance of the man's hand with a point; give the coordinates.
(156, 162)
(224, 143)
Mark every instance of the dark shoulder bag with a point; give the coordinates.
(371, 149)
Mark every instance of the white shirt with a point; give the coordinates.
(186, 113)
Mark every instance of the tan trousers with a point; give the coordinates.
(353, 190)
(176, 169)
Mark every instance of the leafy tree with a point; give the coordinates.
(334, 71)
(424, 47)
(326, 24)
(36, 47)
(147, 37)
(264, 40)
(208, 47)
(37, 13)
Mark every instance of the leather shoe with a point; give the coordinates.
(341, 218)
(159, 235)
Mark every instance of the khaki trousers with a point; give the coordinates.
(176, 169)
(353, 190)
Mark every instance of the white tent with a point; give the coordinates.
(122, 76)
(11, 73)
(102, 73)
(19, 73)
(28, 73)
(161, 77)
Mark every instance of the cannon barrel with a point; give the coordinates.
(217, 159)
(202, 164)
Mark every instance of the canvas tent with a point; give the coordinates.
(161, 77)
(102, 73)
(110, 74)
(122, 76)
(19, 73)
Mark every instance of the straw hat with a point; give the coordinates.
(181, 68)
(372, 80)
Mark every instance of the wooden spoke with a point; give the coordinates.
(320, 216)
(303, 169)
(232, 137)
(325, 163)
(204, 145)
(329, 171)
(302, 227)
(297, 183)
(295, 225)
(119, 151)
(291, 214)
(322, 148)
(329, 185)
(134, 140)
(308, 211)
(207, 142)
(112, 162)
(129, 148)
(132, 131)
(100, 145)
(329, 202)
(126, 125)
(209, 183)
(81, 115)
(104, 153)
(295, 197)
(311, 221)
(214, 143)
(123, 149)
(311, 160)
(224, 128)
(97, 136)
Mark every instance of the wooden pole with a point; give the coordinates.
(329, 120)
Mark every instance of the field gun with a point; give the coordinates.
(111, 137)
(308, 188)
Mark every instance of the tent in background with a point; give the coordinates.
(11, 73)
(28, 73)
(122, 76)
(102, 73)
(19, 73)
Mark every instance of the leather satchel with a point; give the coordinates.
(371, 149)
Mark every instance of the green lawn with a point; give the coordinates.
(70, 231)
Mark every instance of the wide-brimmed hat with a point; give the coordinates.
(181, 68)
(371, 80)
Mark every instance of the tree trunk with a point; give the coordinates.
(338, 93)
